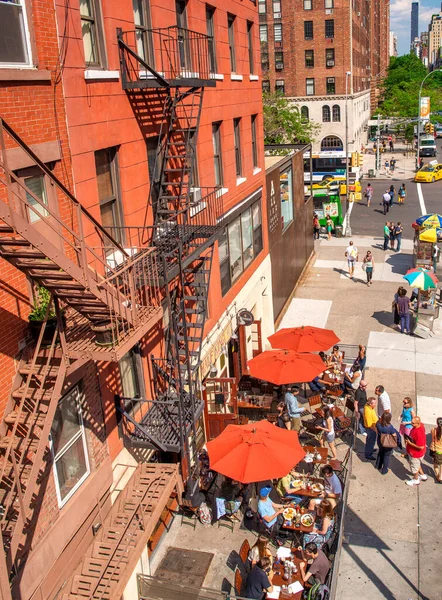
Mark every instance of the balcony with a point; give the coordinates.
(169, 56)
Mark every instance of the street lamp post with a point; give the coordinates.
(347, 228)
(419, 114)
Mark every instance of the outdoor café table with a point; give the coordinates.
(317, 463)
(337, 412)
(330, 378)
(298, 531)
(279, 581)
(258, 409)
(308, 493)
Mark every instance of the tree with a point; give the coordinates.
(400, 88)
(283, 123)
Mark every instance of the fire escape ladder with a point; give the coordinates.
(81, 263)
(24, 442)
(182, 111)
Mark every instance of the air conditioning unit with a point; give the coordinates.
(330, 79)
(196, 205)
(358, 13)
(276, 15)
(279, 66)
(330, 63)
(328, 11)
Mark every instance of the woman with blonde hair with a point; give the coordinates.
(323, 529)
(259, 550)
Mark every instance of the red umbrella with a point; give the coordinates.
(285, 366)
(255, 452)
(304, 339)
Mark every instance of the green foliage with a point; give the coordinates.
(283, 123)
(400, 88)
(409, 133)
(42, 299)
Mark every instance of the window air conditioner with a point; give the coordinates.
(196, 205)
(276, 15)
(279, 66)
(328, 11)
(330, 79)
(330, 63)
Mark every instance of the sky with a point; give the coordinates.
(400, 20)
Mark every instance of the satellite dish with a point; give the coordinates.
(245, 317)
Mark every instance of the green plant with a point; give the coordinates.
(283, 123)
(42, 298)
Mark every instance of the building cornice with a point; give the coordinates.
(329, 98)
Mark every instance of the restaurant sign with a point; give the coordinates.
(216, 349)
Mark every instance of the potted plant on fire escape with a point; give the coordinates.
(36, 318)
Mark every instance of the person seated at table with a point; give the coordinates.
(317, 385)
(335, 357)
(231, 492)
(259, 550)
(270, 512)
(323, 355)
(259, 580)
(323, 528)
(332, 488)
(285, 489)
(319, 567)
(352, 379)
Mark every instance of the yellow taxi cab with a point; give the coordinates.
(338, 183)
(429, 173)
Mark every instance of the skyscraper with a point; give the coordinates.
(414, 21)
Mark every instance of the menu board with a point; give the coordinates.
(331, 209)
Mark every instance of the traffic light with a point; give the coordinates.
(360, 160)
(354, 159)
(431, 129)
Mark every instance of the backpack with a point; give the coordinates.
(319, 591)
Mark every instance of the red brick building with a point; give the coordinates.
(127, 156)
(319, 53)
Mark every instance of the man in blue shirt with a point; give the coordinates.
(293, 408)
(268, 510)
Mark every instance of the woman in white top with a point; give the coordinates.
(259, 550)
(328, 427)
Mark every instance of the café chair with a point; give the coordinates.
(189, 513)
(271, 417)
(311, 431)
(244, 553)
(314, 402)
(242, 420)
(238, 582)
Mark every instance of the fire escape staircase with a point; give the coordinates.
(187, 222)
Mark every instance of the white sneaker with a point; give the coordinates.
(423, 477)
(364, 434)
(413, 482)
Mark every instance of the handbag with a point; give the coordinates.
(388, 440)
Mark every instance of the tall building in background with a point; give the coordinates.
(393, 44)
(305, 57)
(424, 47)
(434, 39)
(414, 22)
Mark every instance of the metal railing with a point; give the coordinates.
(76, 242)
(167, 54)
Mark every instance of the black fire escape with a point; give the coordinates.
(174, 70)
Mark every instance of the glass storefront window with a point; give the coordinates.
(235, 249)
(286, 187)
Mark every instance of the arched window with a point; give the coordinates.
(336, 111)
(304, 114)
(326, 114)
(332, 142)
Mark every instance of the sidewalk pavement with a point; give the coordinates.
(405, 163)
(393, 531)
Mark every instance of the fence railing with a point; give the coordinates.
(166, 54)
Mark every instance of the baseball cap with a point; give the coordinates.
(265, 491)
(363, 383)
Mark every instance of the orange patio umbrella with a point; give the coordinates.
(255, 452)
(285, 366)
(304, 339)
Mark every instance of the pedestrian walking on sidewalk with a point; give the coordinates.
(421, 163)
(386, 202)
(388, 439)
(392, 164)
(368, 193)
(384, 402)
(403, 308)
(360, 402)
(394, 306)
(416, 446)
(392, 192)
(370, 420)
(392, 236)
(406, 417)
(401, 194)
(390, 141)
(435, 256)
(329, 226)
(386, 234)
(352, 256)
(387, 167)
(436, 450)
(368, 266)
(398, 235)
(316, 227)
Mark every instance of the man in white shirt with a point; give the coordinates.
(352, 256)
(384, 402)
(386, 201)
(332, 491)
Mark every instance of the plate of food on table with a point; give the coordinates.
(307, 520)
(297, 483)
(317, 488)
(289, 513)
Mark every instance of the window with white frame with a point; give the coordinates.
(336, 110)
(263, 34)
(68, 446)
(308, 4)
(277, 32)
(277, 7)
(326, 114)
(329, 3)
(92, 32)
(37, 186)
(310, 86)
(15, 46)
(262, 8)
